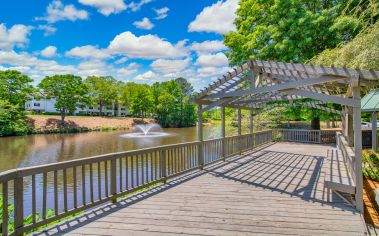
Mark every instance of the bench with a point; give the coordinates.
(337, 174)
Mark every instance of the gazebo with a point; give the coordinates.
(370, 103)
(258, 86)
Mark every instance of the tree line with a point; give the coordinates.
(167, 102)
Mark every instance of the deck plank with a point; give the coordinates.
(275, 190)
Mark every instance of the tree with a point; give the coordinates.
(305, 28)
(69, 92)
(185, 86)
(12, 120)
(15, 87)
(103, 90)
(142, 100)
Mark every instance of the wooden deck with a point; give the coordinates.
(276, 189)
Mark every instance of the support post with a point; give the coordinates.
(239, 130)
(252, 128)
(358, 150)
(350, 127)
(163, 166)
(374, 121)
(18, 205)
(200, 137)
(223, 132)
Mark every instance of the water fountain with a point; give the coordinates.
(146, 131)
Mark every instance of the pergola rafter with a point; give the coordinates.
(259, 86)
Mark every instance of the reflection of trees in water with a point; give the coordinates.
(13, 151)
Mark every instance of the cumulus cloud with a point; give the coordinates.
(121, 60)
(208, 46)
(145, 47)
(129, 70)
(16, 36)
(145, 23)
(161, 13)
(56, 11)
(149, 75)
(106, 7)
(217, 18)
(212, 60)
(164, 66)
(49, 51)
(48, 29)
(206, 72)
(135, 6)
(88, 51)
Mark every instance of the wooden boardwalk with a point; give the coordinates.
(276, 189)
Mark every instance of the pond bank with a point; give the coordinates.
(45, 124)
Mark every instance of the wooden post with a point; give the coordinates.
(350, 127)
(239, 130)
(18, 205)
(251, 128)
(374, 121)
(223, 131)
(114, 179)
(200, 137)
(358, 150)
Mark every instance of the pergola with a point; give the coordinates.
(259, 86)
(370, 103)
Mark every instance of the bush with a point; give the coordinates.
(371, 165)
(12, 120)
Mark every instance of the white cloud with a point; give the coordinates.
(106, 7)
(135, 6)
(56, 11)
(48, 29)
(212, 60)
(161, 13)
(129, 70)
(206, 72)
(149, 75)
(145, 23)
(88, 51)
(121, 60)
(17, 36)
(218, 18)
(208, 46)
(93, 68)
(145, 46)
(49, 51)
(170, 66)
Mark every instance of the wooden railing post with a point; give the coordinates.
(200, 137)
(223, 132)
(239, 130)
(114, 179)
(18, 205)
(163, 166)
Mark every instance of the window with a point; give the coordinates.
(90, 108)
(37, 104)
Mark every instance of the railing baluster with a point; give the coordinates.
(132, 171)
(99, 180)
(106, 178)
(75, 187)
(5, 212)
(120, 173)
(65, 189)
(91, 181)
(44, 193)
(33, 198)
(127, 173)
(56, 200)
(84, 185)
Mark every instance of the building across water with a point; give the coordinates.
(42, 105)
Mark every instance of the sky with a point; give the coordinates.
(143, 41)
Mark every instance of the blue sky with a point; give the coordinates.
(141, 40)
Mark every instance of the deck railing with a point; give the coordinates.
(46, 193)
(305, 136)
(347, 153)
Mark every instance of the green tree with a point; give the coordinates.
(69, 93)
(12, 120)
(141, 101)
(285, 30)
(185, 86)
(15, 87)
(103, 90)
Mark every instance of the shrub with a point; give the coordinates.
(12, 120)
(371, 165)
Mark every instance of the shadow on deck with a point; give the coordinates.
(275, 189)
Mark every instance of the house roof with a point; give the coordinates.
(370, 102)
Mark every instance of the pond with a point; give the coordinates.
(41, 149)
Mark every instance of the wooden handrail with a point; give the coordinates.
(106, 177)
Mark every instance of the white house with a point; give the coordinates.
(42, 105)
